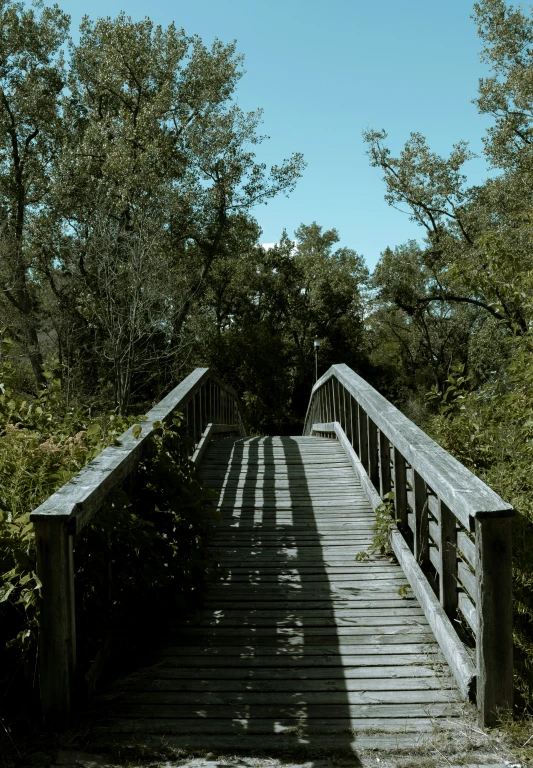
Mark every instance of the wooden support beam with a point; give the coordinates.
(57, 629)
(494, 641)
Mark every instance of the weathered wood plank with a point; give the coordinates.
(296, 710)
(366, 684)
(331, 701)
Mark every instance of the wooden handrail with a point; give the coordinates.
(457, 529)
(205, 401)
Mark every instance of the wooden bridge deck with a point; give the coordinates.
(297, 640)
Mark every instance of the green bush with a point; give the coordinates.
(152, 532)
(490, 430)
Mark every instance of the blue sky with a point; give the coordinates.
(323, 71)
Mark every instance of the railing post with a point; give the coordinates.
(448, 560)
(57, 629)
(494, 638)
(400, 489)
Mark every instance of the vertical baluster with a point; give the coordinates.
(342, 406)
(400, 489)
(384, 464)
(355, 425)
(363, 437)
(421, 532)
(448, 560)
(373, 457)
(349, 418)
(334, 391)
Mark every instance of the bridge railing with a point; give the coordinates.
(210, 407)
(452, 533)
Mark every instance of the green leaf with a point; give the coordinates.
(137, 431)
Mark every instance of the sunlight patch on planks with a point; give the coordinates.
(297, 639)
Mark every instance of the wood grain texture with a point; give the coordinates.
(295, 633)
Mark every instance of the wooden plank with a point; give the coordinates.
(315, 656)
(293, 633)
(384, 608)
(467, 548)
(331, 702)
(313, 676)
(294, 737)
(367, 684)
(467, 608)
(397, 726)
(316, 712)
(468, 580)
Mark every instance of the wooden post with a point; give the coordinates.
(57, 630)
(373, 455)
(448, 560)
(421, 521)
(494, 638)
(384, 464)
(400, 489)
(363, 437)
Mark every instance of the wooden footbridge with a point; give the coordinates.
(300, 638)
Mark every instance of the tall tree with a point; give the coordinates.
(31, 84)
(153, 136)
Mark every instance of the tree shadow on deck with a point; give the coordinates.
(265, 661)
(277, 675)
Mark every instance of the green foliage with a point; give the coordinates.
(153, 534)
(264, 309)
(156, 527)
(490, 430)
(385, 515)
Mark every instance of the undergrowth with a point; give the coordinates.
(490, 430)
(151, 533)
